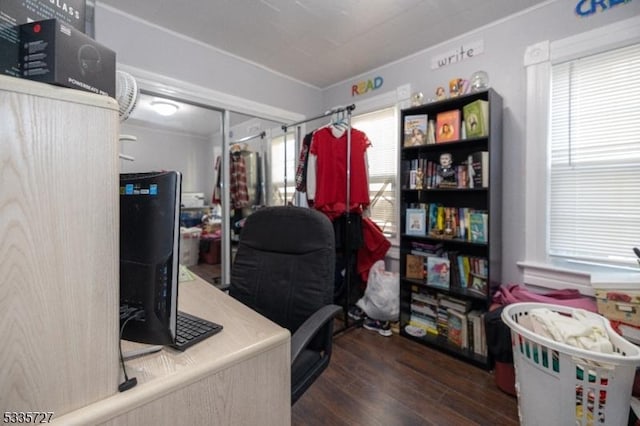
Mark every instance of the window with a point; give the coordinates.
(594, 173)
(279, 168)
(381, 128)
(583, 159)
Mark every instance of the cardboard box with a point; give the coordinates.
(619, 305)
(14, 13)
(192, 199)
(54, 52)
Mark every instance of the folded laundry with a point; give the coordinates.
(579, 330)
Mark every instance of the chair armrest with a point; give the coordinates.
(310, 328)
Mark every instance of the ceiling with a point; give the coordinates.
(322, 42)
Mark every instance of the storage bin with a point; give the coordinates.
(559, 384)
(189, 246)
(190, 219)
(210, 250)
(619, 305)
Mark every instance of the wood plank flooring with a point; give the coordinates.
(388, 381)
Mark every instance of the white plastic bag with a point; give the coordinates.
(381, 298)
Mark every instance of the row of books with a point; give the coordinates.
(440, 221)
(470, 122)
(448, 270)
(462, 328)
(422, 173)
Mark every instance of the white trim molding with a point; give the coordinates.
(538, 269)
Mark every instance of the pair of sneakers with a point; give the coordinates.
(382, 327)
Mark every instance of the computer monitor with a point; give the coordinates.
(149, 255)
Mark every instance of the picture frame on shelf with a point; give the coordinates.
(415, 267)
(416, 222)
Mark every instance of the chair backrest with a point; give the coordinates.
(285, 262)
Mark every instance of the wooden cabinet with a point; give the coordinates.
(450, 244)
(59, 251)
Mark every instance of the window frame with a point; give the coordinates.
(538, 268)
(382, 180)
(397, 99)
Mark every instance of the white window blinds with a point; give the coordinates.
(279, 169)
(381, 129)
(594, 162)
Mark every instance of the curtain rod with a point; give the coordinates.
(331, 111)
(248, 138)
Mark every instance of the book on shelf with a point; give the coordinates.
(478, 227)
(415, 267)
(415, 130)
(478, 169)
(476, 118)
(424, 308)
(426, 249)
(420, 295)
(457, 329)
(464, 269)
(454, 276)
(438, 271)
(427, 324)
(448, 126)
(450, 302)
(475, 327)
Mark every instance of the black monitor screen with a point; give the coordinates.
(149, 244)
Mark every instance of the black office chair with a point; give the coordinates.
(284, 269)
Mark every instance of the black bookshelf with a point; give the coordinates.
(487, 200)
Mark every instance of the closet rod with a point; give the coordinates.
(248, 138)
(331, 111)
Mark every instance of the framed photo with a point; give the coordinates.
(416, 222)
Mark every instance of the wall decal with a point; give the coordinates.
(366, 86)
(589, 7)
(464, 52)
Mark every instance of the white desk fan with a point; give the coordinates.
(127, 94)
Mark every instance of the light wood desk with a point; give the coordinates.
(58, 249)
(240, 376)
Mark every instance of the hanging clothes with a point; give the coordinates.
(237, 181)
(326, 172)
(217, 196)
(301, 167)
(374, 248)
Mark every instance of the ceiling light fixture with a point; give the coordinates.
(164, 108)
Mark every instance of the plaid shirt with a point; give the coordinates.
(238, 182)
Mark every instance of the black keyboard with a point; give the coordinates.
(191, 330)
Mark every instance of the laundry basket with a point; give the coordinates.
(559, 384)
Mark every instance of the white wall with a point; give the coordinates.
(504, 47)
(147, 47)
(151, 48)
(156, 149)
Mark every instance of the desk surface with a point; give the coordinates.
(239, 375)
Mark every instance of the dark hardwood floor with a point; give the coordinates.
(391, 381)
(388, 381)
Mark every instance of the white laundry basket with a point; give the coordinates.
(558, 384)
